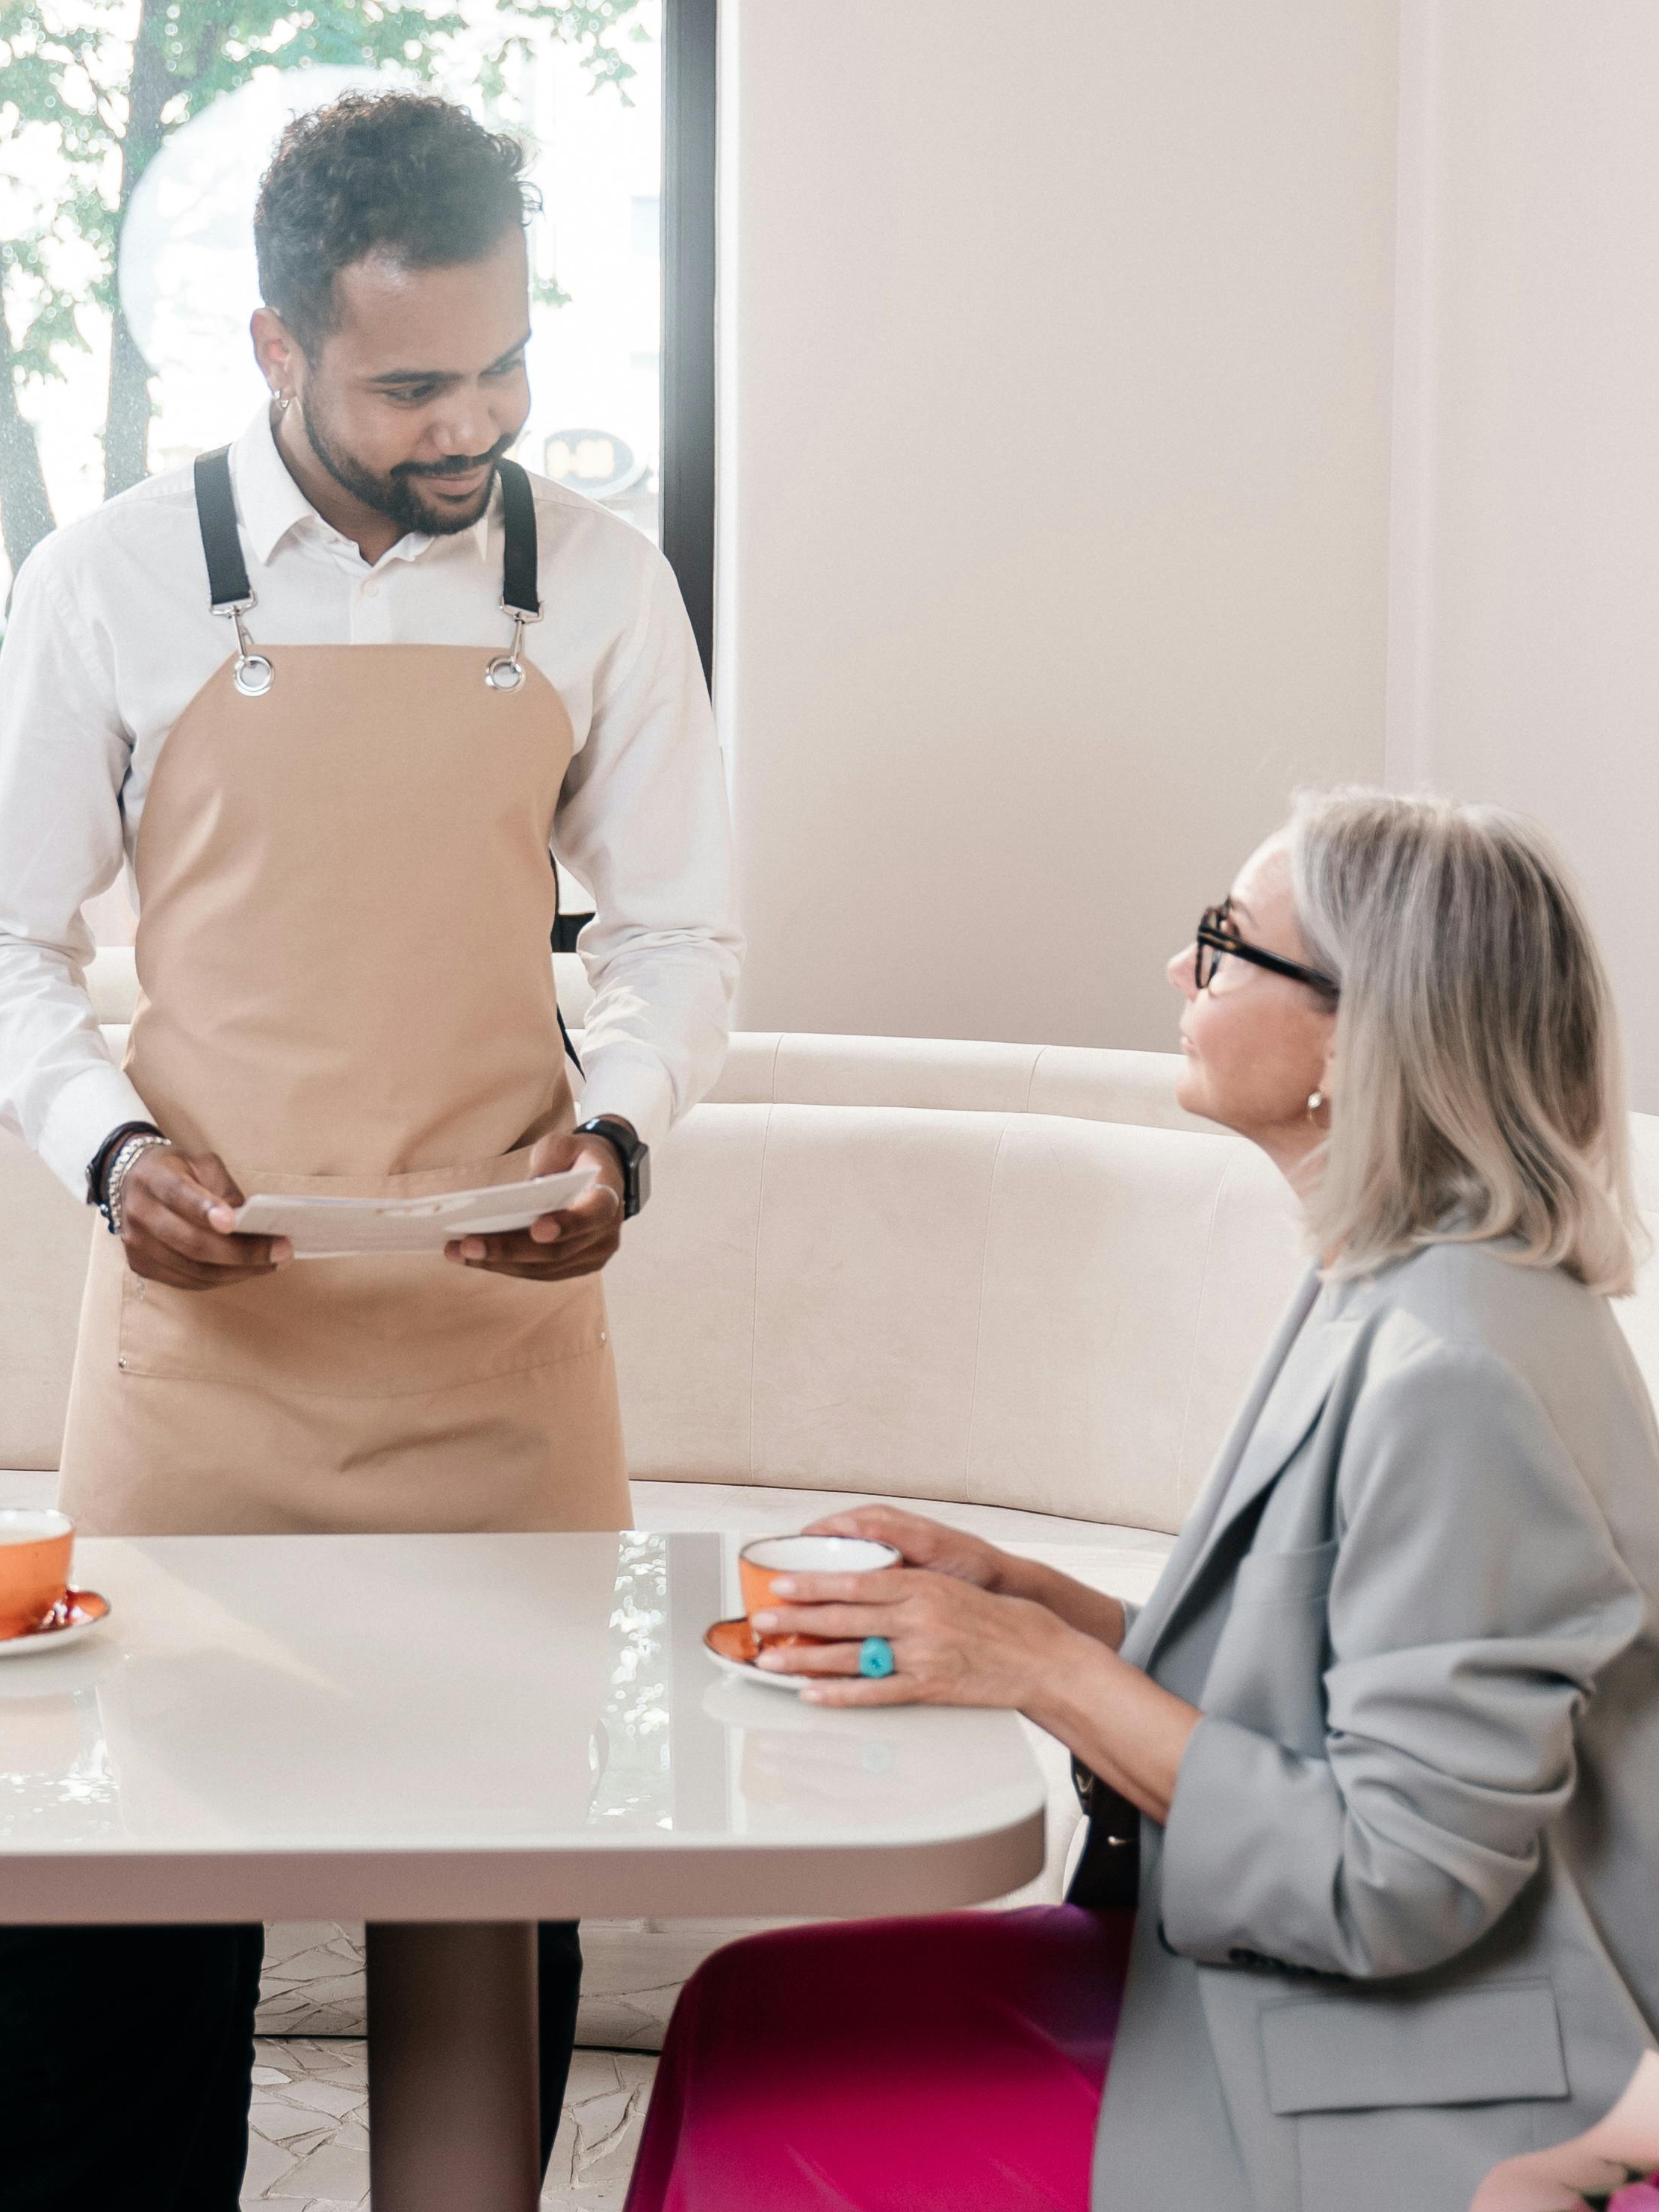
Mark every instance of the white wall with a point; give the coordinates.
(1056, 358)
(1524, 665)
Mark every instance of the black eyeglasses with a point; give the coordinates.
(1217, 938)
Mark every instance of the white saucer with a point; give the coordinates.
(745, 1669)
(83, 1610)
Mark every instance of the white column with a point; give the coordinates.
(1056, 374)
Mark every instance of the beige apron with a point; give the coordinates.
(346, 902)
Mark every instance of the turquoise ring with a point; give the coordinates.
(876, 1657)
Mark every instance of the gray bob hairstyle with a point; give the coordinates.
(1479, 1083)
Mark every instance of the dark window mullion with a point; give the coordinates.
(689, 30)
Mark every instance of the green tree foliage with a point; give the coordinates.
(108, 81)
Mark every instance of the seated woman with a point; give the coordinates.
(1391, 1718)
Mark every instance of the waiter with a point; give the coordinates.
(336, 697)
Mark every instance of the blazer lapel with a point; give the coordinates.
(1286, 1400)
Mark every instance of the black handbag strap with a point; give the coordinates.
(227, 584)
(518, 591)
(1106, 1877)
(215, 517)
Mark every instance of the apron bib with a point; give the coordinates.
(346, 902)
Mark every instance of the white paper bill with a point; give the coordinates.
(337, 1228)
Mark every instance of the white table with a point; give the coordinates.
(452, 1737)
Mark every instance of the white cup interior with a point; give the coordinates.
(32, 1524)
(820, 1555)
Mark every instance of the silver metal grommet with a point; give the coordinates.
(121, 1362)
(253, 673)
(504, 675)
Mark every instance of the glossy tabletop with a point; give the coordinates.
(469, 1728)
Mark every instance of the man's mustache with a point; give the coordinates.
(457, 464)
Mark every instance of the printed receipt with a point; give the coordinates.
(339, 1228)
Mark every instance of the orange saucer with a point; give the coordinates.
(734, 1640)
(733, 1645)
(76, 1612)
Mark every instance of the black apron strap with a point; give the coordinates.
(560, 946)
(215, 515)
(519, 592)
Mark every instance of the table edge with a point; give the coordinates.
(602, 1880)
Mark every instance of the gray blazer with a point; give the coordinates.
(1403, 1920)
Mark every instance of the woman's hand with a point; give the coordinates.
(948, 1551)
(922, 1543)
(954, 1642)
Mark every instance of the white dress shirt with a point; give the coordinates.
(111, 636)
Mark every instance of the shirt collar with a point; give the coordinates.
(270, 504)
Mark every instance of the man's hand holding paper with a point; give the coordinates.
(577, 1241)
(179, 1224)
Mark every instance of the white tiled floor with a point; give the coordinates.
(309, 2147)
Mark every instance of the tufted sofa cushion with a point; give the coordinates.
(1010, 1309)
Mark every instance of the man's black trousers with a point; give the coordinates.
(126, 2056)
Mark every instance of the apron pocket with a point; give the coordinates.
(395, 1325)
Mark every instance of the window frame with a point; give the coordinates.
(690, 49)
(690, 34)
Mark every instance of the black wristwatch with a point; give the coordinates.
(633, 1153)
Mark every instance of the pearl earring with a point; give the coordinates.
(1316, 1100)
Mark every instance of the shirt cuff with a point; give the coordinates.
(84, 1112)
(627, 1087)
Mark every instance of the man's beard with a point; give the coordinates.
(397, 496)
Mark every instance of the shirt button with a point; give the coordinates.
(370, 590)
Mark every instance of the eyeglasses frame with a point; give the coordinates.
(1215, 932)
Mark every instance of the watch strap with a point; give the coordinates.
(633, 1154)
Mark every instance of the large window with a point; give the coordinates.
(133, 135)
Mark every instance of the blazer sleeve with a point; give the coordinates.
(1476, 1596)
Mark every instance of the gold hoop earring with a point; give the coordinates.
(1316, 1099)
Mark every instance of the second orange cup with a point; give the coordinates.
(35, 1565)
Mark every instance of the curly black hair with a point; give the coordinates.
(399, 172)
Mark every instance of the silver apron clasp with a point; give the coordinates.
(506, 671)
(253, 673)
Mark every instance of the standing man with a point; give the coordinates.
(336, 697)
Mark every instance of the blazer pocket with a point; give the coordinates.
(1356, 2053)
(1285, 1577)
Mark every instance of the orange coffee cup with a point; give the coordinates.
(35, 1544)
(760, 1564)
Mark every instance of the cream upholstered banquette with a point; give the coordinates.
(1013, 1284)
